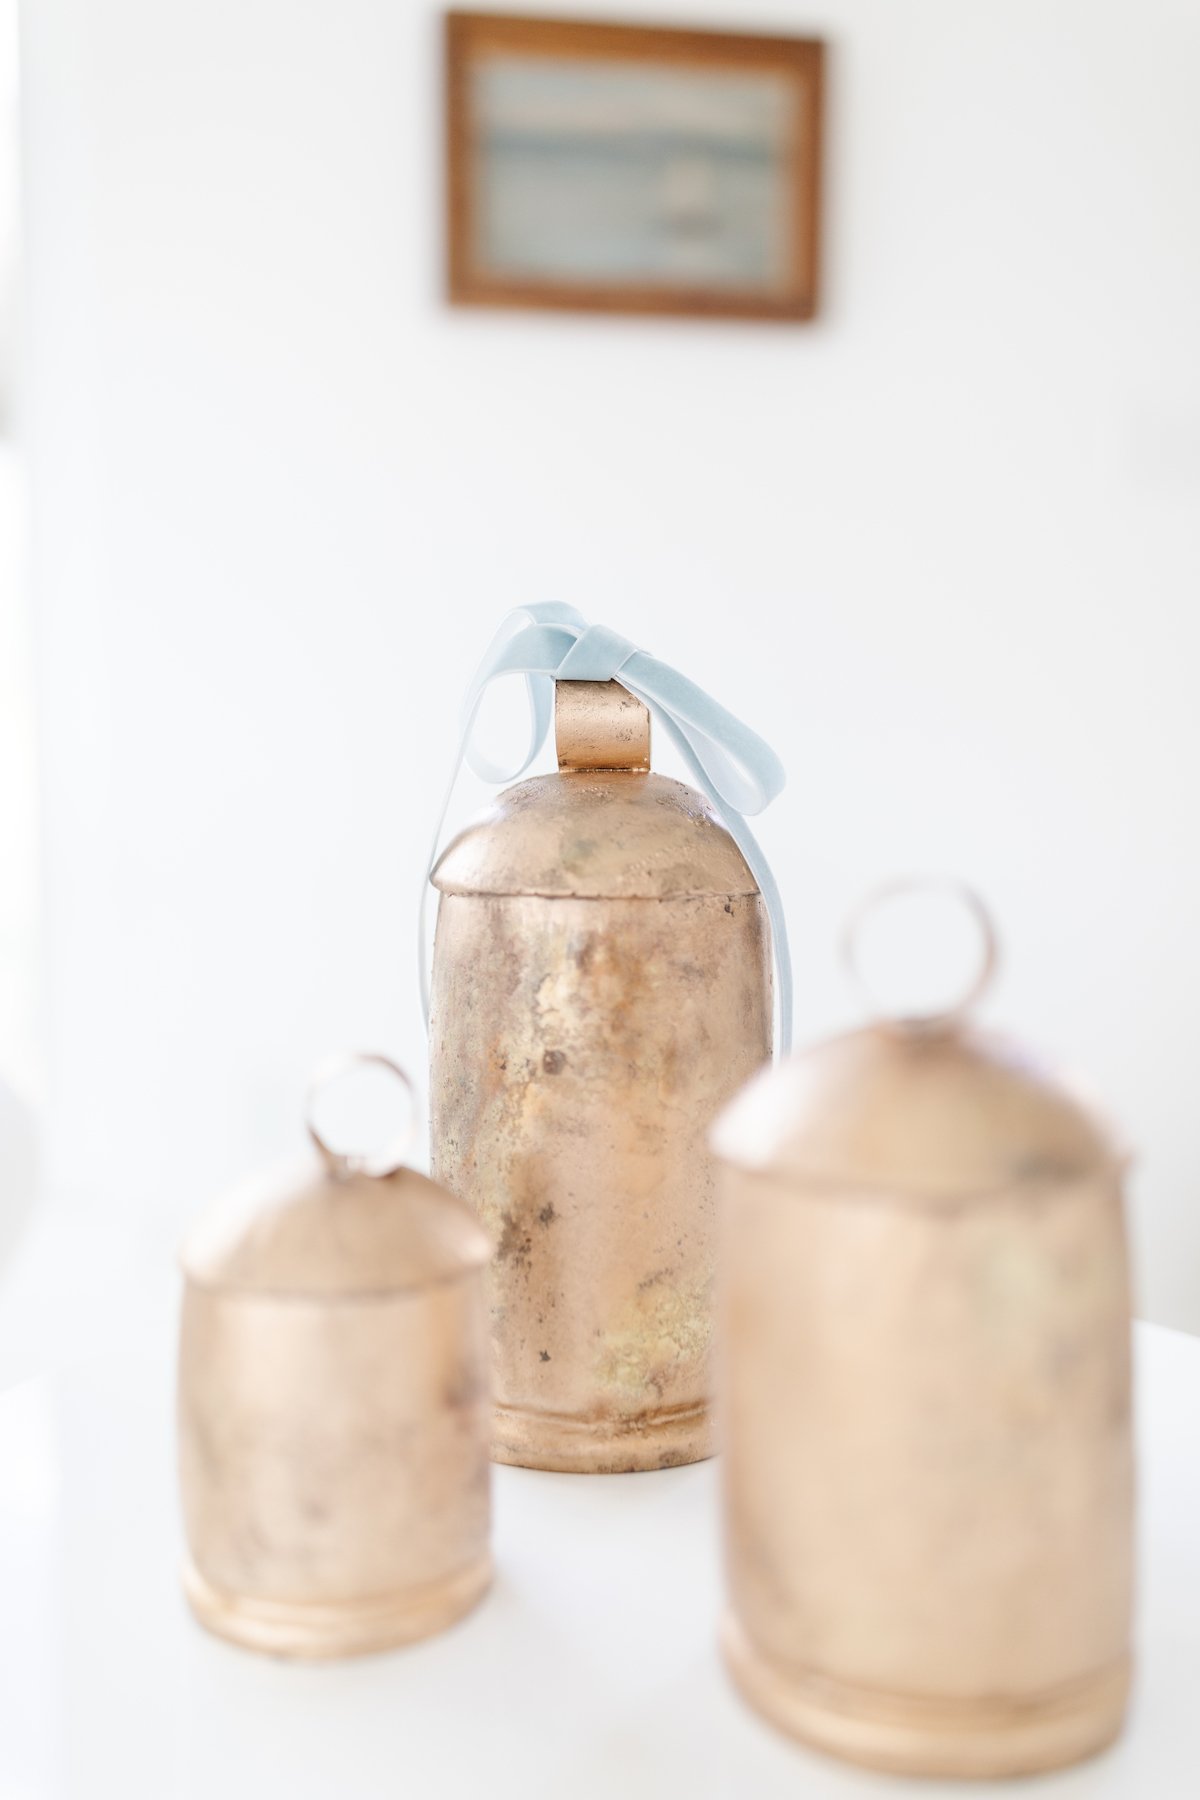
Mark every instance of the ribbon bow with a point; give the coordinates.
(735, 769)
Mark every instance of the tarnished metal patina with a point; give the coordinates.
(601, 986)
(925, 1405)
(334, 1412)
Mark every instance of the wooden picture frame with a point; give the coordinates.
(620, 111)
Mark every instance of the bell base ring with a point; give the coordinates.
(333, 1629)
(607, 1446)
(907, 1735)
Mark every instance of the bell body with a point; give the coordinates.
(333, 1416)
(601, 987)
(928, 1479)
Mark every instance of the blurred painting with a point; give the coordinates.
(628, 169)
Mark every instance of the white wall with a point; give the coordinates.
(943, 546)
(18, 785)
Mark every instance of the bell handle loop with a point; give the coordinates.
(950, 1017)
(600, 725)
(341, 1163)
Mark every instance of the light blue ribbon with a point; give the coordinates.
(737, 771)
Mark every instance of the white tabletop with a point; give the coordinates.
(590, 1670)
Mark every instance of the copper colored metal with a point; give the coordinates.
(601, 986)
(600, 725)
(333, 1412)
(925, 1391)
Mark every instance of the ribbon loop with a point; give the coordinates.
(737, 771)
(598, 654)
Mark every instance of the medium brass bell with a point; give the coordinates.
(928, 1472)
(333, 1410)
(601, 987)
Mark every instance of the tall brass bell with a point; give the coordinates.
(601, 986)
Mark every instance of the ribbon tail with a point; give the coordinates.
(431, 865)
(759, 867)
(548, 627)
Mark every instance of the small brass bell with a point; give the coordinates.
(333, 1408)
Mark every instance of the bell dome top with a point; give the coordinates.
(603, 827)
(326, 1227)
(932, 1109)
(596, 835)
(953, 1113)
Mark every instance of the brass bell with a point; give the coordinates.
(601, 986)
(333, 1408)
(925, 1392)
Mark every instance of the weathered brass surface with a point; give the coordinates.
(601, 986)
(600, 835)
(333, 1413)
(925, 1406)
(599, 725)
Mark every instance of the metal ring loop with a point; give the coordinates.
(989, 955)
(336, 1161)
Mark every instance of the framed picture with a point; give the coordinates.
(618, 168)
